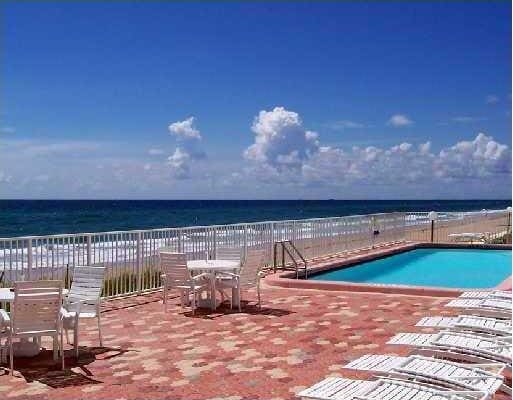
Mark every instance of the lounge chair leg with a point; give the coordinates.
(240, 298)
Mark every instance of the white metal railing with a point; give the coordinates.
(131, 257)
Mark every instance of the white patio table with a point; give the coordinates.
(214, 267)
(24, 348)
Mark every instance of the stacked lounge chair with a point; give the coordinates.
(459, 346)
(469, 323)
(480, 377)
(487, 294)
(385, 388)
(486, 307)
(482, 343)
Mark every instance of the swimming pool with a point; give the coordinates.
(450, 268)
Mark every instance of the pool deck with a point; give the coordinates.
(287, 279)
(298, 337)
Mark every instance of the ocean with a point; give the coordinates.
(45, 217)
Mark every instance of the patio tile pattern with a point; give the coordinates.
(295, 340)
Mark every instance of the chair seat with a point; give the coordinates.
(190, 287)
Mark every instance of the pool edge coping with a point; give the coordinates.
(286, 279)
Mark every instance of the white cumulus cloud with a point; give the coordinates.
(285, 153)
(185, 129)
(399, 120)
(188, 148)
(281, 141)
(478, 158)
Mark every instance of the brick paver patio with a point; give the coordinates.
(296, 339)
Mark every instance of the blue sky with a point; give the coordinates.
(90, 91)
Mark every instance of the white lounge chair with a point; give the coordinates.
(248, 276)
(481, 377)
(176, 275)
(473, 323)
(483, 294)
(459, 346)
(35, 312)
(488, 307)
(384, 389)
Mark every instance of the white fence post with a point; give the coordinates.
(214, 243)
(139, 260)
(245, 240)
(271, 257)
(88, 250)
(29, 259)
(179, 250)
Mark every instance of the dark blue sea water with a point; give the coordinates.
(42, 217)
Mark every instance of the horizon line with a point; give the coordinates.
(285, 199)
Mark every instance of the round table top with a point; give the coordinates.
(7, 296)
(212, 265)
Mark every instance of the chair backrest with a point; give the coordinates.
(174, 265)
(36, 306)
(252, 265)
(229, 253)
(87, 286)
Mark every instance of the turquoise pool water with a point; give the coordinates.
(452, 268)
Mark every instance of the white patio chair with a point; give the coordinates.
(481, 377)
(35, 312)
(487, 307)
(472, 323)
(248, 277)
(384, 388)
(229, 253)
(459, 346)
(84, 300)
(176, 275)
